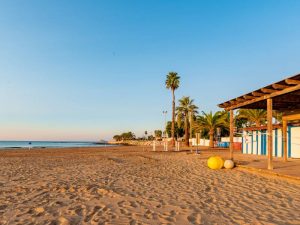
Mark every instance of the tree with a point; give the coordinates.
(179, 131)
(172, 83)
(211, 122)
(277, 116)
(117, 138)
(192, 112)
(255, 117)
(127, 136)
(158, 133)
(184, 110)
(151, 138)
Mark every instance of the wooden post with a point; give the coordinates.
(284, 139)
(231, 134)
(270, 132)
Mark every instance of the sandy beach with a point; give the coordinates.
(126, 185)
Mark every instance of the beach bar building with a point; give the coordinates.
(280, 140)
(255, 141)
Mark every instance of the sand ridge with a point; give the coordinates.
(126, 186)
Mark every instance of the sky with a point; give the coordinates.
(86, 70)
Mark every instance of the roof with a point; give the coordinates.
(285, 95)
(275, 126)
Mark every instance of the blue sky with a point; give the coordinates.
(85, 70)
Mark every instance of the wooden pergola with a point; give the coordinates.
(283, 96)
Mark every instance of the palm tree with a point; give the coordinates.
(186, 108)
(172, 83)
(192, 112)
(211, 122)
(179, 119)
(254, 116)
(278, 116)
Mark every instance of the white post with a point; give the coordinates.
(154, 145)
(166, 145)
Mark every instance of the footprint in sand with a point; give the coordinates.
(2, 207)
(133, 222)
(209, 200)
(80, 210)
(194, 218)
(61, 221)
(90, 216)
(59, 203)
(208, 189)
(148, 214)
(133, 204)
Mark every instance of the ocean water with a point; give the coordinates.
(47, 144)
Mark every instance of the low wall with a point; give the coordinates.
(136, 143)
(203, 142)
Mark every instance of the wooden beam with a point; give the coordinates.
(291, 81)
(240, 99)
(270, 132)
(267, 90)
(289, 97)
(284, 139)
(279, 86)
(293, 112)
(257, 94)
(224, 105)
(231, 134)
(265, 96)
(248, 97)
(291, 117)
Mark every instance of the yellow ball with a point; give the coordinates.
(221, 161)
(215, 162)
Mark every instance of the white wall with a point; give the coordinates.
(279, 143)
(255, 142)
(250, 139)
(203, 142)
(295, 142)
(235, 139)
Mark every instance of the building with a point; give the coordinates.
(283, 96)
(255, 141)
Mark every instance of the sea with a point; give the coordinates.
(48, 144)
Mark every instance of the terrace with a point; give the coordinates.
(283, 96)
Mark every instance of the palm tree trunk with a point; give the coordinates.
(191, 125)
(257, 123)
(211, 138)
(186, 131)
(173, 119)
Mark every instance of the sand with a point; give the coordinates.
(125, 185)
